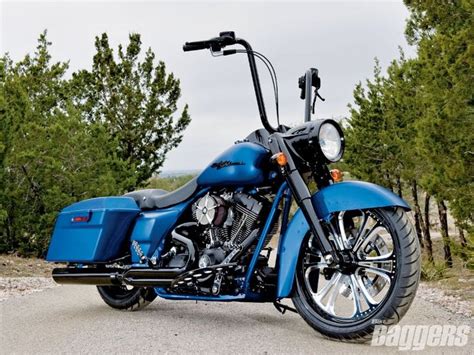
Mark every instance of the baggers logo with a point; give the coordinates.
(225, 163)
(417, 337)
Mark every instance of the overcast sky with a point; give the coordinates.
(341, 39)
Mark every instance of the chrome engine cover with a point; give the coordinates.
(210, 210)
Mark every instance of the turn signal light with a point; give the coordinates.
(280, 159)
(336, 175)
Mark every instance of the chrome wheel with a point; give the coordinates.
(374, 283)
(361, 282)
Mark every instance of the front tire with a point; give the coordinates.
(380, 282)
(120, 297)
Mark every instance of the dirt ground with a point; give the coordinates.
(14, 266)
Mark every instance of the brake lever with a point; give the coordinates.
(316, 95)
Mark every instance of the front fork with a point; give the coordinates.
(302, 197)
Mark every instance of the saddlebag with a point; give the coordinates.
(92, 230)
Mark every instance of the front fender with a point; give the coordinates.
(344, 196)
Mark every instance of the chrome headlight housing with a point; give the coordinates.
(331, 140)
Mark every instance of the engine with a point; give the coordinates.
(230, 222)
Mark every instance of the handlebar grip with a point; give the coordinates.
(196, 46)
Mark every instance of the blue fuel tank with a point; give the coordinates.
(242, 164)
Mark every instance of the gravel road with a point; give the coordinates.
(73, 319)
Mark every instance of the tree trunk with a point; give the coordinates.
(399, 187)
(418, 217)
(443, 220)
(389, 181)
(463, 241)
(426, 228)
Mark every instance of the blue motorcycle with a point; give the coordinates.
(347, 256)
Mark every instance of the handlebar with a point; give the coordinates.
(196, 46)
(227, 39)
(215, 44)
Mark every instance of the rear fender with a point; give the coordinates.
(344, 196)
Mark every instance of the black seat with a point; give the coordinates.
(156, 198)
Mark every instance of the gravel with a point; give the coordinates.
(20, 286)
(451, 303)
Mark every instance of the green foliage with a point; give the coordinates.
(168, 183)
(416, 123)
(54, 152)
(367, 150)
(444, 35)
(135, 101)
(433, 271)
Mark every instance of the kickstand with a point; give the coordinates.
(282, 308)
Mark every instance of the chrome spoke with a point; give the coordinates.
(355, 297)
(331, 285)
(363, 224)
(309, 271)
(336, 237)
(370, 235)
(361, 231)
(332, 298)
(387, 259)
(381, 258)
(318, 296)
(387, 275)
(340, 219)
(367, 296)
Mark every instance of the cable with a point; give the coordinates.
(271, 71)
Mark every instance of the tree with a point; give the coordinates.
(366, 150)
(444, 37)
(445, 40)
(63, 140)
(402, 110)
(50, 157)
(136, 101)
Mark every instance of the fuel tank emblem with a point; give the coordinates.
(225, 163)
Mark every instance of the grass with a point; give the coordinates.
(456, 281)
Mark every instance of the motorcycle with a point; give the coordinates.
(347, 257)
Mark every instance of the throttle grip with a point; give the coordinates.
(196, 46)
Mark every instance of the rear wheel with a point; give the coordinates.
(374, 284)
(127, 298)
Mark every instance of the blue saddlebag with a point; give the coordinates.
(92, 230)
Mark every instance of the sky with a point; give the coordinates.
(341, 39)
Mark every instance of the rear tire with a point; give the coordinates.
(390, 310)
(119, 297)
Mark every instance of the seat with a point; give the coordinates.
(150, 199)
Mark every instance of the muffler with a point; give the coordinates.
(140, 277)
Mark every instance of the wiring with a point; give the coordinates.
(271, 71)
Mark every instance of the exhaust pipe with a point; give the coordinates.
(85, 276)
(140, 277)
(114, 277)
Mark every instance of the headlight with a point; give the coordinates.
(331, 141)
(319, 140)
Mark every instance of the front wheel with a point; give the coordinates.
(127, 298)
(374, 284)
